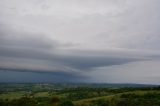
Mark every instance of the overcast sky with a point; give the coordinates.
(112, 41)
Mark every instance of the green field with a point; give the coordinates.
(117, 96)
(67, 95)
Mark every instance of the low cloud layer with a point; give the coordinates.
(80, 40)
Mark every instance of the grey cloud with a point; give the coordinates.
(80, 62)
(135, 72)
(75, 37)
(111, 23)
(16, 38)
(34, 53)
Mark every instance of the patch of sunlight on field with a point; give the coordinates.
(42, 94)
(12, 95)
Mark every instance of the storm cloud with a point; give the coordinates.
(74, 40)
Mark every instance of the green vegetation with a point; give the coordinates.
(75, 95)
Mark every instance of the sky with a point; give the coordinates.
(101, 41)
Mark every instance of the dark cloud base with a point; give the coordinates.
(37, 77)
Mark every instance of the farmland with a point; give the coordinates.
(79, 95)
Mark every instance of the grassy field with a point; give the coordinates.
(12, 95)
(53, 95)
(110, 97)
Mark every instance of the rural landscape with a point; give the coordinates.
(72, 94)
(79, 52)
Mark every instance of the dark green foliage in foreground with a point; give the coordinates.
(100, 102)
(148, 99)
(66, 103)
(24, 101)
(127, 99)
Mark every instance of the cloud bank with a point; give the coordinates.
(89, 41)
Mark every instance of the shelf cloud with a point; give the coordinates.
(83, 41)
